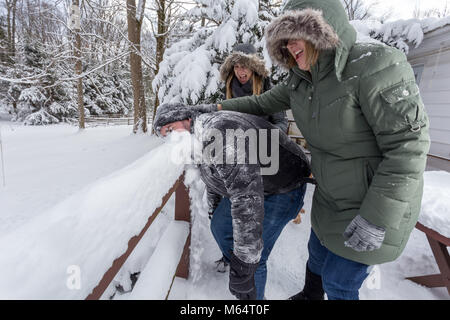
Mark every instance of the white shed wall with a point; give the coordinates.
(431, 62)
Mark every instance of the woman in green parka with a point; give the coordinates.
(359, 108)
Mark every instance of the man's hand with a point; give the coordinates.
(242, 279)
(362, 235)
(211, 212)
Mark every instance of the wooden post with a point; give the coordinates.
(108, 277)
(183, 213)
(438, 244)
(134, 37)
(75, 17)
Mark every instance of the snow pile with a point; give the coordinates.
(435, 213)
(199, 220)
(84, 233)
(364, 28)
(400, 34)
(155, 280)
(50, 97)
(431, 24)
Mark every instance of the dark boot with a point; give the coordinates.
(312, 290)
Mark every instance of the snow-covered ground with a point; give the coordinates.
(45, 165)
(59, 167)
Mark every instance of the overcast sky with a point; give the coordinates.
(403, 9)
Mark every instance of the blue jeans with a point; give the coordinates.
(279, 209)
(341, 278)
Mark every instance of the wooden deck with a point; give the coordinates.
(437, 164)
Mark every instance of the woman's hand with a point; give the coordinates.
(362, 235)
(206, 108)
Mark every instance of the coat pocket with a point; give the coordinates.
(368, 173)
(403, 106)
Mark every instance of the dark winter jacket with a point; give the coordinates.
(361, 113)
(242, 182)
(246, 54)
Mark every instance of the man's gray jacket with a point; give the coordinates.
(251, 176)
(247, 181)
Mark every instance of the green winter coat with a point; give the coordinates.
(364, 121)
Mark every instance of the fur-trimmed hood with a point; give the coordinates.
(324, 23)
(246, 55)
(307, 24)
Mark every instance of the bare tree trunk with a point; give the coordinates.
(13, 29)
(78, 64)
(134, 36)
(11, 26)
(204, 19)
(160, 44)
(8, 26)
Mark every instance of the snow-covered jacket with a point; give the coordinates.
(242, 181)
(244, 184)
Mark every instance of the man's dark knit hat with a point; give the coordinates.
(172, 112)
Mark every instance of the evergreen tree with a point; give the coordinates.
(48, 98)
(189, 72)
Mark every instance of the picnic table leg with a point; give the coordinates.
(443, 261)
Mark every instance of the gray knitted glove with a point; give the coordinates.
(205, 108)
(362, 235)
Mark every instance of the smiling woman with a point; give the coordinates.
(361, 113)
(303, 53)
(245, 74)
(242, 73)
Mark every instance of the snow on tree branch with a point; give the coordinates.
(401, 34)
(189, 71)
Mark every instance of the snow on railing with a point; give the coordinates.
(64, 252)
(174, 244)
(113, 120)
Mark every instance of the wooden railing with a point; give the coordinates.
(182, 213)
(112, 120)
(295, 134)
(438, 244)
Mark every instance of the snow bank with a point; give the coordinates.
(46, 164)
(64, 252)
(435, 213)
(400, 34)
(433, 23)
(155, 280)
(199, 221)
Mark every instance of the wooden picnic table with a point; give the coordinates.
(438, 244)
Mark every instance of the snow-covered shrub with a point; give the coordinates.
(50, 100)
(401, 34)
(40, 117)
